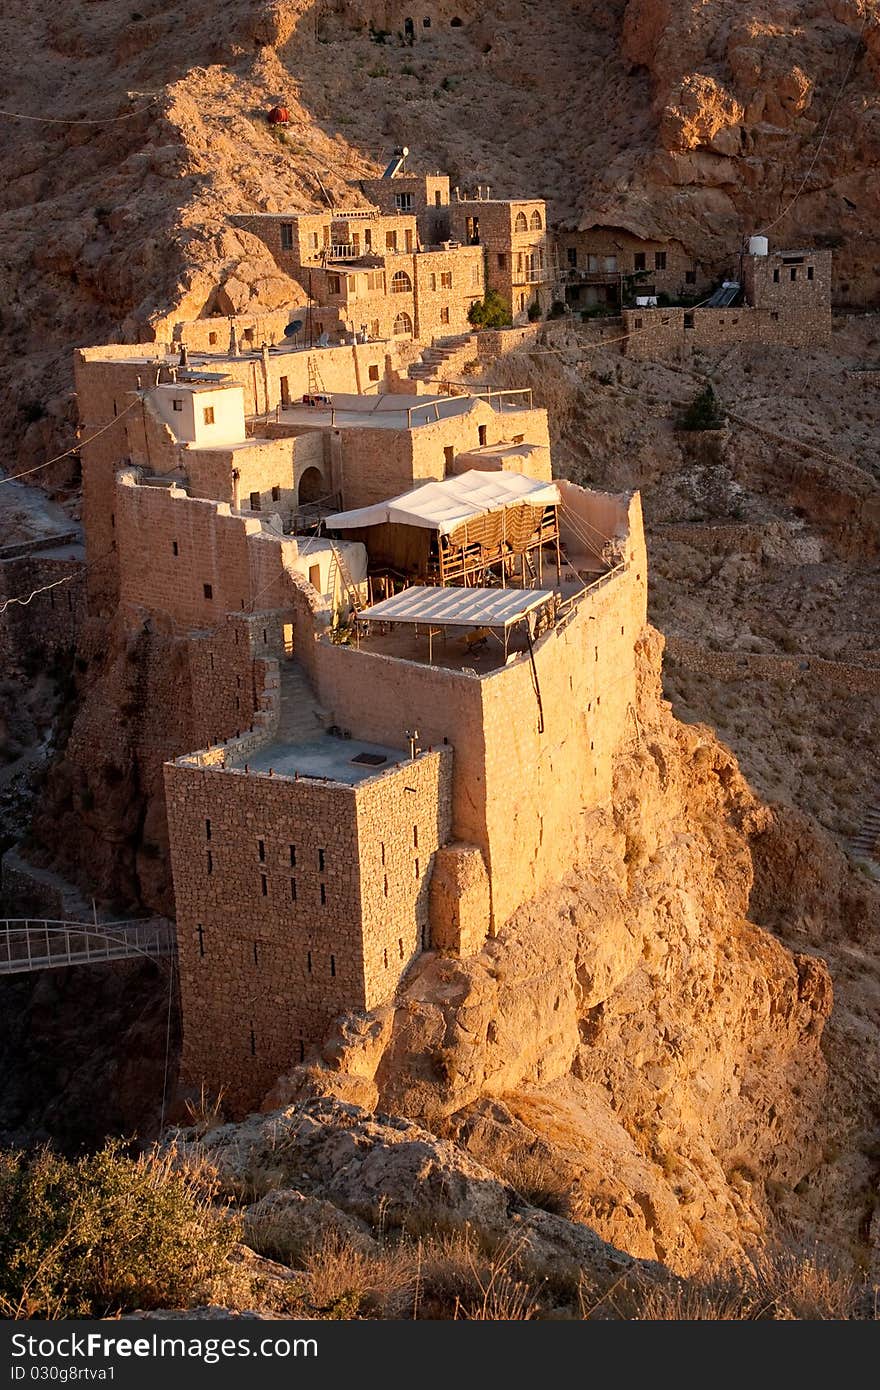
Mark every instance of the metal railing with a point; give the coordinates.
(29, 943)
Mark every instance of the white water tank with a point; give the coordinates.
(758, 246)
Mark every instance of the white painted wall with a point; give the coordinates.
(189, 424)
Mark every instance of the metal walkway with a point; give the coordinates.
(30, 943)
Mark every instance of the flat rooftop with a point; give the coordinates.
(327, 758)
(394, 412)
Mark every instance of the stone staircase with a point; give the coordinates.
(445, 357)
(302, 719)
(866, 845)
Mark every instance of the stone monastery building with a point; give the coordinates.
(409, 650)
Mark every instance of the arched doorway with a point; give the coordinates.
(311, 487)
(409, 29)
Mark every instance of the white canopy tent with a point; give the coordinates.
(434, 609)
(446, 504)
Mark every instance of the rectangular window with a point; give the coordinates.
(444, 314)
(690, 277)
(264, 885)
(177, 405)
(610, 264)
(475, 275)
(208, 414)
(255, 501)
(793, 273)
(315, 579)
(572, 256)
(309, 961)
(175, 548)
(313, 240)
(373, 372)
(639, 261)
(659, 260)
(207, 830)
(332, 965)
(261, 851)
(592, 264)
(334, 284)
(433, 281)
(208, 590)
(403, 202)
(638, 323)
(688, 320)
(776, 277)
(390, 241)
(286, 236)
(276, 494)
(293, 856)
(212, 339)
(446, 280)
(809, 272)
(323, 894)
(502, 260)
(374, 331)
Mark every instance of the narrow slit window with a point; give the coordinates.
(293, 890)
(261, 850)
(253, 1043)
(264, 885)
(400, 946)
(210, 862)
(333, 966)
(415, 837)
(200, 933)
(256, 958)
(309, 961)
(207, 830)
(323, 894)
(385, 957)
(293, 856)
(321, 861)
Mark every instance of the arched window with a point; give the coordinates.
(401, 283)
(403, 326)
(455, 23)
(536, 223)
(520, 225)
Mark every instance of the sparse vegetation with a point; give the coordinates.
(106, 1233)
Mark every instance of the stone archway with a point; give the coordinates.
(311, 487)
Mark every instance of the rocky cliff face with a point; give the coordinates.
(634, 1036)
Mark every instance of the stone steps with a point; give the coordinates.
(302, 719)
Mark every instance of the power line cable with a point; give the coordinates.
(74, 448)
(64, 120)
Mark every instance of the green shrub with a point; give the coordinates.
(557, 310)
(534, 311)
(491, 312)
(703, 413)
(105, 1233)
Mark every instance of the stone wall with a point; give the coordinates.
(847, 678)
(287, 914)
(525, 769)
(31, 634)
(586, 257)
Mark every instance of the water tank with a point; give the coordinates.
(758, 246)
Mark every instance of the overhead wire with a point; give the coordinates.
(79, 120)
(74, 448)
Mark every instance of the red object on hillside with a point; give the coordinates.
(279, 115)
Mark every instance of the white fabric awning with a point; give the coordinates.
(454, 607)
(444, 505)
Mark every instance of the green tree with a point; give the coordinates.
(704, 412)
(491, 312)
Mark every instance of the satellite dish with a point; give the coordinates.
(294, 327)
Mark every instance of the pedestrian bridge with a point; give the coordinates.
(31, 943)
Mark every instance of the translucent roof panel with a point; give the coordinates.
(454, 607)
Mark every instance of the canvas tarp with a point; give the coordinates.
(447, 504)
